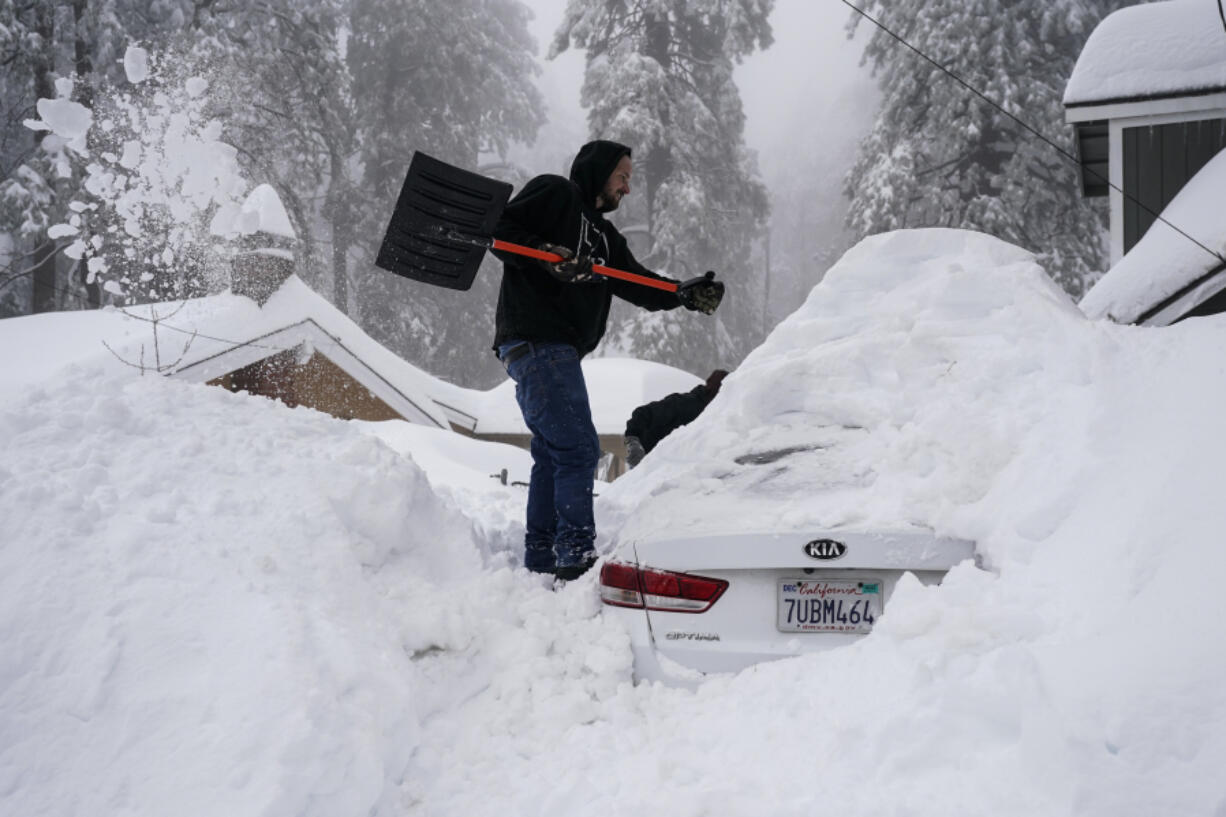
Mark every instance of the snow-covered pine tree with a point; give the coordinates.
(659, 78)
(26, 55)
(41, 42)
(940, 156)
(455, 80)
(284, 92)
(325, 100)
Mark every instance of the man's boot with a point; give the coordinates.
(539, 557)
(572, 566)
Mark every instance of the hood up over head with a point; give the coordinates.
(593, 165)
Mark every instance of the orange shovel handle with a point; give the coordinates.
(609, 272)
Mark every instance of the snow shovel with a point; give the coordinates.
(444, 222)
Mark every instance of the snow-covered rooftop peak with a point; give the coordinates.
(1151, 50)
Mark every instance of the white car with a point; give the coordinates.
(714, 604)
(851, 447)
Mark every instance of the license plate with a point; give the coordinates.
(820, 606)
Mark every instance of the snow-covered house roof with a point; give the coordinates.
(1166, 275)
(228, 332)
(1148, 102)
(1151, 51)
(616, 387)
(296, 317)
(202, 339)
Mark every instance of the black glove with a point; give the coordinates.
(570, 270)
(701, 294)
(634, 451)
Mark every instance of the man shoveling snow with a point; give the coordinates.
(551, 314)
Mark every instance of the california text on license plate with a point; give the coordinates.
(820, 606)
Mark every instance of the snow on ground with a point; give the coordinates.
(465, 471)
(196, 588)
(214, 604)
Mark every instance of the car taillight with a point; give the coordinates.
(624, 585)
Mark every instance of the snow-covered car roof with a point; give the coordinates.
(1164, 263)
(892, 395)
(1151, 51)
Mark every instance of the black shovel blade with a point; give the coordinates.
(438, 199)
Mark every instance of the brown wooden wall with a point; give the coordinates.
(322, 385)
(319, 384)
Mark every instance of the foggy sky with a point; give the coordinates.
(806, 94)
(808, 102)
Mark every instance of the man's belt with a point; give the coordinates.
(516, 353)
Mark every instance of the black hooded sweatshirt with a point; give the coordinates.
(535, 306)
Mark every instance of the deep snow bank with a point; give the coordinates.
(940, 378)
(210, 603)
(904, 387)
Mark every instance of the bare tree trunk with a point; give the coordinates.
(85, 68)
(340, 267)
(44, 277)
(658, 163)
(766, 282)
(81, 61)
(341, 226)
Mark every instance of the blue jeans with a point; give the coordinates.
(552, 395)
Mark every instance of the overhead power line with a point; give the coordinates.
(1032, 130)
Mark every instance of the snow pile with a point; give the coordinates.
(1081, 676)
(1151, 49)
(213, 604)
(464, 472)
(1164, 262)
(210, 603)
(877, 405)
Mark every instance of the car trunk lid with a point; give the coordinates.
(877, 550)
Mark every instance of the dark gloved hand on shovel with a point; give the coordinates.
(701, 294)
(570, 270)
